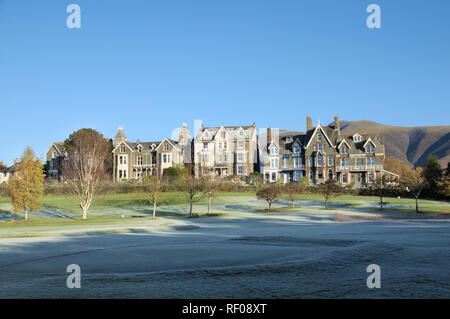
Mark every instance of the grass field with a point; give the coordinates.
(110, 209)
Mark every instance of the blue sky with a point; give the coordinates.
(150, 66)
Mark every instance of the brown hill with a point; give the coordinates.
(411, 144)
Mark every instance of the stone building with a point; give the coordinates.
(225, 150)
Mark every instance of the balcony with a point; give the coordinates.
(359, 168)
(144, 166)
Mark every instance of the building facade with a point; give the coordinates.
(323, 153)
(225, 151)
(55, 160)
(136, 160)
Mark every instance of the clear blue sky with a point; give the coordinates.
(149, 66)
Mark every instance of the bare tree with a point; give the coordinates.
(382, 186)
(154, 186)
(413, 181)
(192, 188)
(329, 189)
(270, 194)
(87, 153)
(210, 186)
(294, 188)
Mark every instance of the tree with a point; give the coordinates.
(382, 186)
(210, 186)
(394, 165)
(27, 184)
(295, 188)
(154, 187)
(413, 181)
(329, 189)
(87, 153)
(270, 194)
(192, 188)
(432, 172)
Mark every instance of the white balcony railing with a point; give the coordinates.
(358, 168)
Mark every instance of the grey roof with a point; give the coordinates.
(249, 130)
(120, 133)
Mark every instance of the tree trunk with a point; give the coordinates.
(417, 205)
(26, 214)
(154, 209)
(326, 203)
(270, 206)
(292, 199)
(85, 213)
(190, 206)
(209, 205)
(381, 201)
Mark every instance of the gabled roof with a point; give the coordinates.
(369, 140)
(59, 147)
(171, 142)
(311, 135)
(231, 131)
(125, 143)
(344, 141)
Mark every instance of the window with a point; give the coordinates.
(310, 161)
(220, 145)
(120, 173)
(315, 148)
(168, 158)
(296, 149)
(330, 174)
(124, 159)
(311, 175)
(219, 159)
(297, 176)
(223, 134)
(320, 174)
(274, 163)
(122, 149)
(241, 144)
(120, 159)
(224, 145)
(124, 174)
(139, 160)
(53, 155)
(205, 158)
(330, 161)
(370, 177)
(297, 161)
(225, 158)
(240, 157)
(288, 139)
(240, 170)
(369, 149)
(285, 162)
(344, 178)
(274, 177)
(241, 133)
(319, 161)
(164, 158)
(319, 137)
(357, 162)
(205, 145)
(274, 151)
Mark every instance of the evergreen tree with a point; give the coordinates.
(432, 172)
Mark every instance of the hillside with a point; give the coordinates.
(411, 144)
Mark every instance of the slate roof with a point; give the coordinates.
(232, 130)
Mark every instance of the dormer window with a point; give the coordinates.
(288, 139)
(370, 149)
(344, 150)
(53, 155)
(356, 138)
(241, 133)
(274, 151)
(296, 148)
(319, 137)
(122, 149)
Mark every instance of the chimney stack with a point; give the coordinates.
(308, 123)
(336, 123)
(269, 135)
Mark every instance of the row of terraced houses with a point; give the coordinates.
(321, 153)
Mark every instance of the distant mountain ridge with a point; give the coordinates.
(411, 144)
